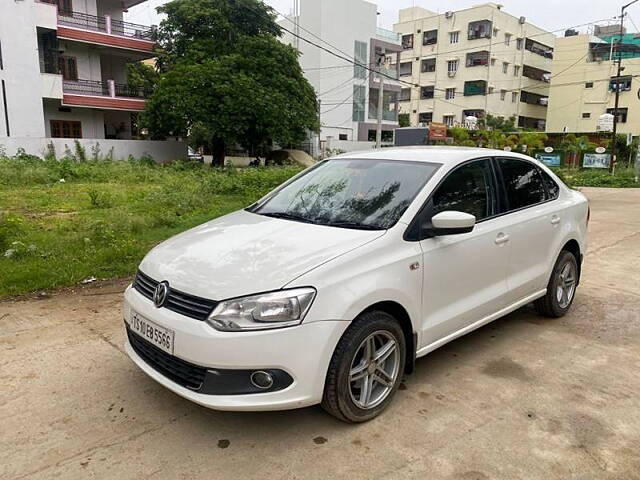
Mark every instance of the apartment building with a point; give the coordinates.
(348, 93)
(63, 77)
(473, 62)
(585, 80)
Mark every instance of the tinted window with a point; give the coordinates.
(350, 193)
(523, 183)
(468, 189)
(552, 187)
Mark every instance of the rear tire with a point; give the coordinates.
(561, 288)
(366, 368)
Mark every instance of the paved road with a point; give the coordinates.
(522, 398)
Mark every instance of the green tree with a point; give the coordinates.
(142, 76)
(227, 78)
(492, 122)
(404, 120)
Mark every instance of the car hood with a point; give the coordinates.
(244, 253)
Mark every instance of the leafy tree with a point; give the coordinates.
(142, 76)
(461, 137)
(532, 140)
(227, 79)
(492, 122)
(404, 120)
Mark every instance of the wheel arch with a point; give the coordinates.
(572, 246)
(397, 311)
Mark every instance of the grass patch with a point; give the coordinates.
(576, 177)
(64, 221)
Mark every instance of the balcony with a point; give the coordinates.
(477, 59)
(103, 30)
(103, 94)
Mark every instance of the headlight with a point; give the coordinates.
(284, 308)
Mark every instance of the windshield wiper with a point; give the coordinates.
(354, 225)
(287, 216)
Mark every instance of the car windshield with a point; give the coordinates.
(350, 193)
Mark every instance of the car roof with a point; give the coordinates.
(432, 154)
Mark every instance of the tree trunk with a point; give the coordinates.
(218, 148)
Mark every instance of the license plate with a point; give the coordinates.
(152, 332)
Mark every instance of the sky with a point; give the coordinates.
(552, 15)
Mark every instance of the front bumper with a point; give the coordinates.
(303, 352)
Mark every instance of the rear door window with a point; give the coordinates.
(523, 183)
(553, 190)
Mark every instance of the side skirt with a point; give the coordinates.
(469, 328)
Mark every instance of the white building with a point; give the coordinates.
(348, 93)
(63, 77)
(472, 62)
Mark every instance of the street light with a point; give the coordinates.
(617, 103)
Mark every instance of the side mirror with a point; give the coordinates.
(452, 223)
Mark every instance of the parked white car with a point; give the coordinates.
(328, 289)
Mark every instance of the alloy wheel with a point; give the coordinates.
(374, 369)
(566, 285)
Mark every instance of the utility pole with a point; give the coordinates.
(380, 61)
(612, 166)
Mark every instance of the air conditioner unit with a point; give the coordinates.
(544, 101)
(523, 20)
(546, 77)
(448, 14)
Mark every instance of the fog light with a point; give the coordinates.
(261, 380)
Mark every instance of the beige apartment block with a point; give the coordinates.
(472, 62)
(584, 81)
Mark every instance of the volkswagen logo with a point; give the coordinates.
(160, 294)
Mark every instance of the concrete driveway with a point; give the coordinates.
(522, 398)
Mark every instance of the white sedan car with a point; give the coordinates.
(328, 289)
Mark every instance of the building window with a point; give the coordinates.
(343, 136)
(479, 29)
(536, 74)
(477, 87)
(450, 93)
(588, 85)
(359, 99)
(454, 37)
(65, 129)
(429, 65)
(430, 37)
(68, 67)
(65, 6)
(387, 135)
(519, 43)
(514, 97)
(405, 94)
(406, 69)
(493, 62)
(425, 117)
(586, 115)
(503, 94)
(538, 48)
(449, 120)
(507, 39)
(622, 84)
(426, 93)
(621, 114)
(476, 59)
(533, 98)
(516, 70)
(495, 32)
(490, 90)
(407, 41)
(452, 67)
(505, 67)
(360, 57)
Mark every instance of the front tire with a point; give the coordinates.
(561, 288)
(366, 368)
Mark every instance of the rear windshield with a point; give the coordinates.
(350, 193)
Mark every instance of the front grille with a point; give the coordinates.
(183, 373)
(179, 302)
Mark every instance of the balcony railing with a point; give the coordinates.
(107, 88)
(105, 24)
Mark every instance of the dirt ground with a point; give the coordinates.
(522, 398)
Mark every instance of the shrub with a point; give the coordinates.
(100, 199)
(11, 226)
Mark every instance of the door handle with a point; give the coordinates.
(502, 238)
(555, 220)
